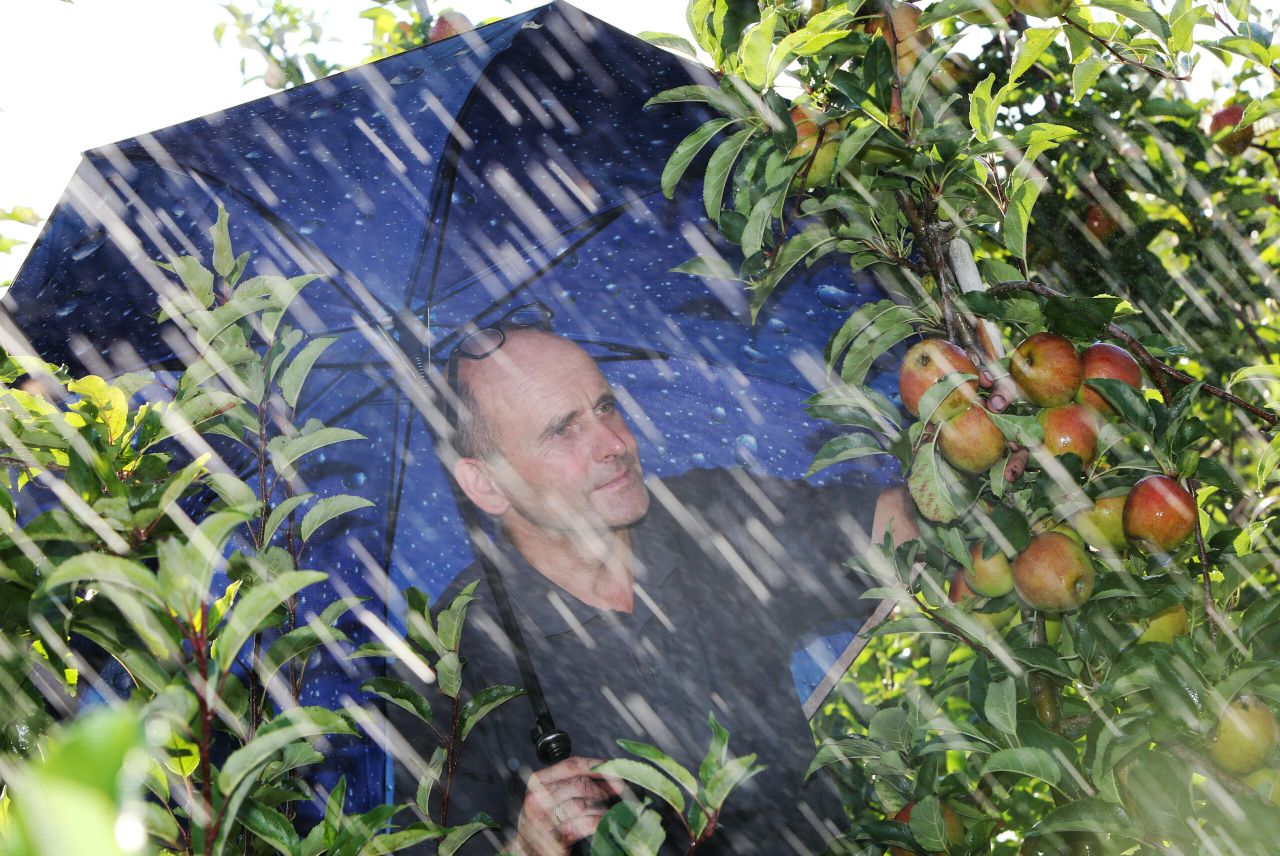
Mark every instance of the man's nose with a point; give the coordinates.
(610, 439)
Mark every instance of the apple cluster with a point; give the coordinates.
(1054, 572)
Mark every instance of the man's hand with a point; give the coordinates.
(563, 803)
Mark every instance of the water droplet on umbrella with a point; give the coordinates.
(754, 355)
(354, 480)
(571, 260)
(698, 459)
(89, 244)
(718, 415)
(310, 227)
(834, 297)
(409, 74)
(777, 325)
(745, 448)
(611, 288)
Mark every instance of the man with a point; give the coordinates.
(645, 608)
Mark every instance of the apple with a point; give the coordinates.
(1266, 782)
(1246, 736)
(1066, 529)
(959, 593)
(971, 442)
(1165, 624)
(1104, 360)
(924, 365)
(449, 24)
(1070, 428)
(806, 131)
(1102, 526)
(1236, 142)
(1053, 573)
(1159, 514)
(1047, 369)
(952, 821)
(989, 576)
(819, 172)
(905, 38)
(988, 12)
(1099, 223)
(1042, 8)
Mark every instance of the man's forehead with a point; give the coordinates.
(531, 359)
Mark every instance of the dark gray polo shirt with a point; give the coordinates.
(730, 570)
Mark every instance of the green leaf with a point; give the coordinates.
(1267, 372)
(864, 323)
(223, 259)
(927, 824)
(805, 42)
(1085, 75)
(248, 615)
(1088, 815)
(1140, 13)
(1128, 402)
(285, 451)
(647, 777)
(686, 151)
(757, 44)
(281, 513)
(271, 827)
(293, 725)
(1022, 198)
(104, 569)
(1035, 763)
(392, 842)
(1031, 45)
(329, 508)
(186, 568)
(1001, 709)
(669, 40)
(729, 777)
(401, 694)
(1080, 317)
(629, 829)
(719, 168)
(295, 375)
(300, 642)
(197, 279)
(717, 750)
(460, 835)
(483, 703)
(815, 239)
(982, 110)
(664, 762)
(449, 674)
(846, 447)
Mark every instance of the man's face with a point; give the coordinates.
(568, 461)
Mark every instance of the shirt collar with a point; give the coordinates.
(553, 610)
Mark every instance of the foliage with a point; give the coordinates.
(290, 39)
(122, 550)
(1064, 156)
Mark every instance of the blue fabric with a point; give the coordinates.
(511, 164)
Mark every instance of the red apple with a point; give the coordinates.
(1047, 369)
(1102, 526)
(1159, 514)
(1099, 223)
(1053, 574)
(959, 593)
(989, 576)
(971, 442)
(924, 365)
(449, 24)
(905, 38)
(1070, 428)
(1228, 117)
(1246, 736)
(1104, 360)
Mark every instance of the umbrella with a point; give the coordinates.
(433, 189)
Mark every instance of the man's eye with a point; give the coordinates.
(607, 407)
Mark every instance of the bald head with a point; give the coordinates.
(541, 437)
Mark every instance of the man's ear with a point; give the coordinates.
(472, 475)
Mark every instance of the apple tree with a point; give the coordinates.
(1075, 225)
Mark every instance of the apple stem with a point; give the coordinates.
(1158, 370)
(1210, 608)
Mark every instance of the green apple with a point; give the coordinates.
(1246, 736)
(1102, 526)
(989, 576)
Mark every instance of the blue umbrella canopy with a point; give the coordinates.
(434, 189)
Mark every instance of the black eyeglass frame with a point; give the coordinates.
(536, 315)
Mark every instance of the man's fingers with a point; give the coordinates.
(576, 765)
